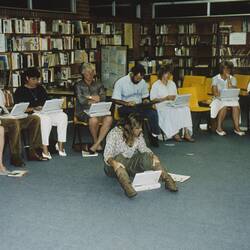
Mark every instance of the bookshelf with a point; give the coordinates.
(196, 46)
(55, 47)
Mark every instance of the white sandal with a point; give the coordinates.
(240, 133)
(221, 133)
(61, 153)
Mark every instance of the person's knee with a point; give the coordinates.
(147, 160)
(63, 117)
(93, 121)
(108, 120)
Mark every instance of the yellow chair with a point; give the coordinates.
(152, 80)
(194, 105)
(198, 82)
(242, 81)
(188, 80)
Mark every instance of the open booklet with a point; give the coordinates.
(17, 173)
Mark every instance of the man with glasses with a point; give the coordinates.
(132, 95)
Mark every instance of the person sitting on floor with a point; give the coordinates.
(34, 93)
(224, 80)
(131, 90)
(89, 91)
(13, 127)
(171, 119)
(126, 154)
(3, 170)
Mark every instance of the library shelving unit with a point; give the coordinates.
(55, 47)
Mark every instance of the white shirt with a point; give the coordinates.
(115, 145)
(160, 90)
(221, 83)
(126, 90)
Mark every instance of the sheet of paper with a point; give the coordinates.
(238, 38)
(179, 178)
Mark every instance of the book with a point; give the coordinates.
(3, 43)
(4, 62)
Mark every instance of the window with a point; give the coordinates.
(14, 3)
(227, 8)
(180, 10)
(62, 5)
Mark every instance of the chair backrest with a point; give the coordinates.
(193, 102)
(152, 80)
(208, 84)
(242, 81)
(199, 83)
(189, 80)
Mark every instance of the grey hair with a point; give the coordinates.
(86, 66)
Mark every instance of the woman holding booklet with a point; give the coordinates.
(88, 91)
(224, 80)
(171, 119)
(36, 95)
(126, 154)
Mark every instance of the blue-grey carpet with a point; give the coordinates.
(69, 204)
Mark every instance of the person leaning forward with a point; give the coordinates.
(13, 127)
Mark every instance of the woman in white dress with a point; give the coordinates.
(171, 119)
(224, 80)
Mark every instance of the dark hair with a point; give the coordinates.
(32, 72)
(138, 68)
(226, 64)
(133, 120)
(168, 68)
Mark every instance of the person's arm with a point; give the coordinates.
(102, 93)
(117, 96)
(215, 89)
(142, 146)
(80, 96)
(233, 82)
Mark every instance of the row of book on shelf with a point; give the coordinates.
(16, 61)
(30, 26)
(34, 43)
(190, 28)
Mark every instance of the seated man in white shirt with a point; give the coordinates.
(131, 90)
(224, 80)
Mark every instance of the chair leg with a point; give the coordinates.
(79, 133)
(74, 136)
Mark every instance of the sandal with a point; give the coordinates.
(177, 138)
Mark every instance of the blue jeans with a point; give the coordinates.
(148, 113)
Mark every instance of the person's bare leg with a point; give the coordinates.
(106, 125)
(2, 167)
(220, 118)
(236, 118)
(45, 149)
(94, 127)
(61, 146)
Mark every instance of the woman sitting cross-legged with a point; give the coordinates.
(171, 119)
(89, 91)
(126, 154)
(3, 170)
(33, 92)
(224, 80)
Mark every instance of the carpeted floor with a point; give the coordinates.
(69, 204)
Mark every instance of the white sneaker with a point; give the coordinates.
(48, 156)
(61, 153)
